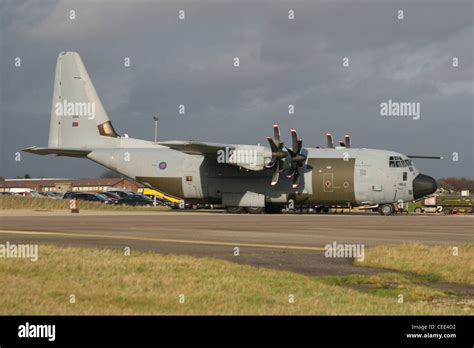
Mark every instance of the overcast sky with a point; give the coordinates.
(282, 62)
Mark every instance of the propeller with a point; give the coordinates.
(297, 158)
(329, 140)
(347, 141)
(278, 154)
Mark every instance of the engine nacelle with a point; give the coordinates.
(251, 157)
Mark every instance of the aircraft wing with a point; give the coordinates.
(251, 157)
(56, 151)
(197, 147)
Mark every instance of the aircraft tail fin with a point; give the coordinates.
(78, 118)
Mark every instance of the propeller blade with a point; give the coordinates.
(329, 140)
(291, 172)
(296, 179)
(276, 174)
(347, 141)
(294, 139)
(276, 134)
(291, 152)
(271, 163)
(273, 146)
(281, 165)
(299, 146)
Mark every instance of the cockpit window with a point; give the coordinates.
(391, 162)
(409, 164)
(398, 162)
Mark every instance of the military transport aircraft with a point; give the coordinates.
(250, 178)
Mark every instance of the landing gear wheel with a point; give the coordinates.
(273, 209)
(386, 209)
(254, 210)
(234, 210)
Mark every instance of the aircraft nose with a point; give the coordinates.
(423, 185)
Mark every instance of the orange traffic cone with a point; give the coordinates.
(73, 205)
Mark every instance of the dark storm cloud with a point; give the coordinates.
(282, 62)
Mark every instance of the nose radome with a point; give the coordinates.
(423, 185)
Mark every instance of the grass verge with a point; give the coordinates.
(436, 263)
(38, 203)
(108, 282)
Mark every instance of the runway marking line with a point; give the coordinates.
(164, 240)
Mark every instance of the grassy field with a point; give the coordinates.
(436, 263)
(109, 282)
(38, 203)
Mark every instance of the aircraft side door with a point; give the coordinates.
(191, 178)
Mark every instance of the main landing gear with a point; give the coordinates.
(241, 210)
(386, 209)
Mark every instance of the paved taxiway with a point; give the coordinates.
(291, 242)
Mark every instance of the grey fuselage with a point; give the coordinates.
(332, 176)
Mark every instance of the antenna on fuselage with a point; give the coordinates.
(156, 118)
(425, 157)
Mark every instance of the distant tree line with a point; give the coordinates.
(456, 184)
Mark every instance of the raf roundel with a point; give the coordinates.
(162, 165)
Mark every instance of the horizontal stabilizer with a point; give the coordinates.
(56, 151)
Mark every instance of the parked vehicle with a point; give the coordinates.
(55, 195)
(160, 195)
(26, 192)
(9, 194)
(448, 204)
(113, 197)
(122, 193)
(137, 200)
(88, 196)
